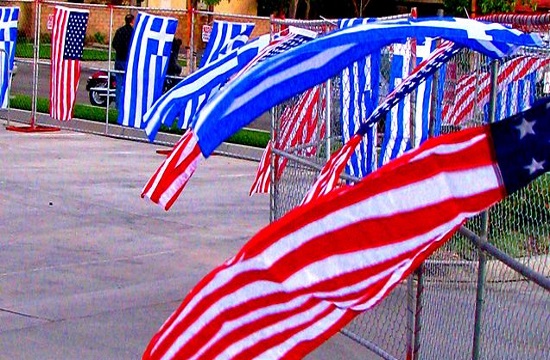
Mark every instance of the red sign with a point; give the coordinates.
(206, 30)
(49, 24)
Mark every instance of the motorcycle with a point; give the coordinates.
(98, 90)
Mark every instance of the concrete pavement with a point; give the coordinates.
(88, 269)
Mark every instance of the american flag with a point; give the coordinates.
(9, 17)
(171, 177)
(299, 125)
(305, 276)
(472, 91)
(224, 38)
(296, 70)
(147, 65)
(282, 42)
(328, 178)
(69, 30)
(301, 68)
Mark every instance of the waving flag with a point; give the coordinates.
(294, 71)
(398, 121)
(328, 178)
(359, 95)
(305, 276)
(147, 64)
(423, 101)
(224, 38)
(473, 90)
(69, 30)
(299, 126)
(189, 95)
(9, 17)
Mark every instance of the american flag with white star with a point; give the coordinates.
(68, 33)
(305, 276)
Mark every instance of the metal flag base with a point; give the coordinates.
(32, 128)
(164, 152)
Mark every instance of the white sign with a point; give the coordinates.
(49, 24)
(546, 88)
(206, 30)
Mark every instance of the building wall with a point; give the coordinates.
(242, 7)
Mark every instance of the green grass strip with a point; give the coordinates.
(248, 137)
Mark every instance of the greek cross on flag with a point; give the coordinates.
(147, 64)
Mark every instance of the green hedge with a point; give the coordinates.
(248, 137)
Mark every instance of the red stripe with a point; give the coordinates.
(363, 261)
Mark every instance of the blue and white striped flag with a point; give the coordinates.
(299, 69)
(147, 64)
(189, 95)
(398, 121)
(423, 100)
(224, 38)
(9, 17)
(359, 93)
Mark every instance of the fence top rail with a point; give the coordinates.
(518, 19)
(237, 16)
(103, 6)
(326, 21)
(18, 1)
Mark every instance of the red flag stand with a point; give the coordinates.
(164, 152)
(33, 127)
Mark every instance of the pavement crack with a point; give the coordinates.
(26, 315)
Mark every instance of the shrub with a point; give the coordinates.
(99, 38)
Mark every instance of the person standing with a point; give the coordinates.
(121, 44)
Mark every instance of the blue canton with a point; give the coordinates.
(522, 145)
(74, 37)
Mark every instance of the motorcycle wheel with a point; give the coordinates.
(96, 99)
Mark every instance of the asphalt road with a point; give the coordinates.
(23, 81)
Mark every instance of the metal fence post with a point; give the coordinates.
(192, 41)
(109, 72)
(482, 260)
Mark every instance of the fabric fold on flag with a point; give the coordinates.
(300, 68)
(302, 278)
(148, 57)
(171, 177)
(68, 33)
(187, 97)
(359, 95)
(299, 125)
(331, 171)
(225, 37)
(9, 17)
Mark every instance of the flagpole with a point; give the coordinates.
(33, 127)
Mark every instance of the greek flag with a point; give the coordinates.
(189, 95)
(296, 70)
(359, 93)
(8, 36)
(398, 121)
(224, 38)
(147, 64)
(423, 100)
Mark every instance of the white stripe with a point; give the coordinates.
(486, 179)
(315, 62)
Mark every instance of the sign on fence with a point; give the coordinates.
(206, 31)
(49, 24)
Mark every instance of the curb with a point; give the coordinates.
(117, 131)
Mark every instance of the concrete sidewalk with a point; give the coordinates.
(88, 269)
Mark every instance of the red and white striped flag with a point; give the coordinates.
(299, 126)
(330, 174)
(171, 177)
(69, 30)
(473, 91)
(305, 276)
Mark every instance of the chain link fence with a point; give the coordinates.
(465, 301)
